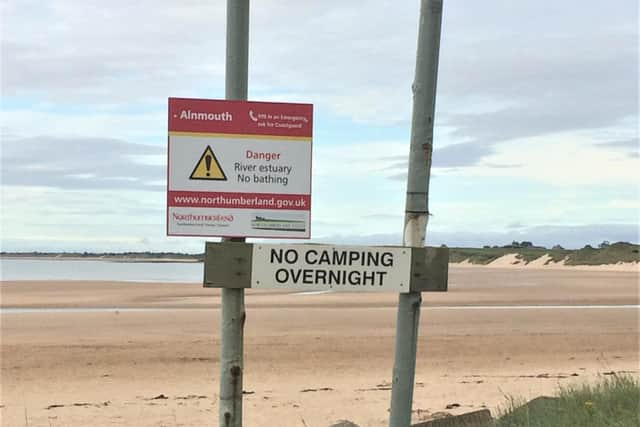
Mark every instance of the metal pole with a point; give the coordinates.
(417, 205)
(233, 313)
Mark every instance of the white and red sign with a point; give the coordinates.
(239, 169)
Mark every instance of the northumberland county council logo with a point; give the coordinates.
(261, 223)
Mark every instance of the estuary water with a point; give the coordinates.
(41, 269)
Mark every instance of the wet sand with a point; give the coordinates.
(310, 359)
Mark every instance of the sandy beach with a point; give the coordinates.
(146, 354)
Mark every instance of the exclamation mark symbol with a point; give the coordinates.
(207, 160)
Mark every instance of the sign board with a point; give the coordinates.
(325, 267)
(342, 268)
(239, 169)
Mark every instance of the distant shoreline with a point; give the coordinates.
(617, 256)
(106, 258)
(510, 261)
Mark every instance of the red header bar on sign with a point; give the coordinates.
(240, 117)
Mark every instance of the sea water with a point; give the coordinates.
(61, 269)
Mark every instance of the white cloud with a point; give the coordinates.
(560, 160)
(569, 236)
(518, 84)
(75, 163)
(365, 159)
(118, 51)
(114, 124)
(41, 213)
(626, 204)
(356, 58)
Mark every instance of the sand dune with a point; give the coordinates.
(512, 261)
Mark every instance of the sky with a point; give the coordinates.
(536, 130)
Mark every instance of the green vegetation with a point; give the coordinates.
(613, 402)
(605, 253)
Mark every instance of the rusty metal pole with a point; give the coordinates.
(417, 205)
(233, 311)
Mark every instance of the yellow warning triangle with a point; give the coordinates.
(208, 167)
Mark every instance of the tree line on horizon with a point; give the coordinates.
(150, 254)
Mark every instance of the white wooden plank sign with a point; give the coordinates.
(328, 267)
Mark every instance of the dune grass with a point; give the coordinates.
(609, 254)
(612, 402)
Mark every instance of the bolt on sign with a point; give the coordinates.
(239, 169)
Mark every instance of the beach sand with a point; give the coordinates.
(310, 360)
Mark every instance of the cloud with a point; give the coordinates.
(102, 53)
(449, 157)
(523, 88)
(54, 218)
(383, 216)
(115, 122)
(463, 154)
(560, 160)
(501, 166)
(360, 158)
(82, 163)
(515, 225)
(629, 146)
(401, 176)
(552, 68)
(568, 236)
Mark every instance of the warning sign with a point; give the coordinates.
(208, 167)
(338, 268)
(239, 169)
(326, 267)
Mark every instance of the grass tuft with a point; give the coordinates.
(612, 402)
